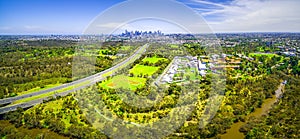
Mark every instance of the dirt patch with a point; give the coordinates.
(110, 85)
(134, 82)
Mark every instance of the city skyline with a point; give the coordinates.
(73, 17)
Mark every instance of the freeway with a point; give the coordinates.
(90, 80)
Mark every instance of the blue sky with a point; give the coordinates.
(49, 16)
(73, 16)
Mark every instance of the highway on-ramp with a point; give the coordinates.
(88, 81)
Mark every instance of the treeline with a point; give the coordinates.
(169, 101)
(194, 49)
(247, 47)
(67, 121)
(27, 45)
(241, 98)
(283, 119)
(290, 66)
(9, 131)
(29, 64)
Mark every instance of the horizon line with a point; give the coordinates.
(68, 34)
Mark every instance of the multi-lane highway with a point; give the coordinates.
(80, 84)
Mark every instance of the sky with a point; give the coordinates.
(76, 16)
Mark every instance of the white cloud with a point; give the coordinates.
(254, 15)
(109, 25)
(30, 27)
(209, 3)
(5, 28)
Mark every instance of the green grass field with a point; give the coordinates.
(39, 89)
(266, 54)
(125, 82)
(174, 46)
(262, 54)
(49, 93)
(153, 59)
(124, 48)
(192, 73)
(143, 70)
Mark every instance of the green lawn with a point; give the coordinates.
(49, 93)
(120, 81)
(266, 54)
(41, 85)
(34, 98)
(125, 48)
(143, 70)
(262, 54)
(173, 46)
(153, 59)
(39, 89)
(192, 73)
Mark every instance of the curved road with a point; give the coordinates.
(91, 79)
